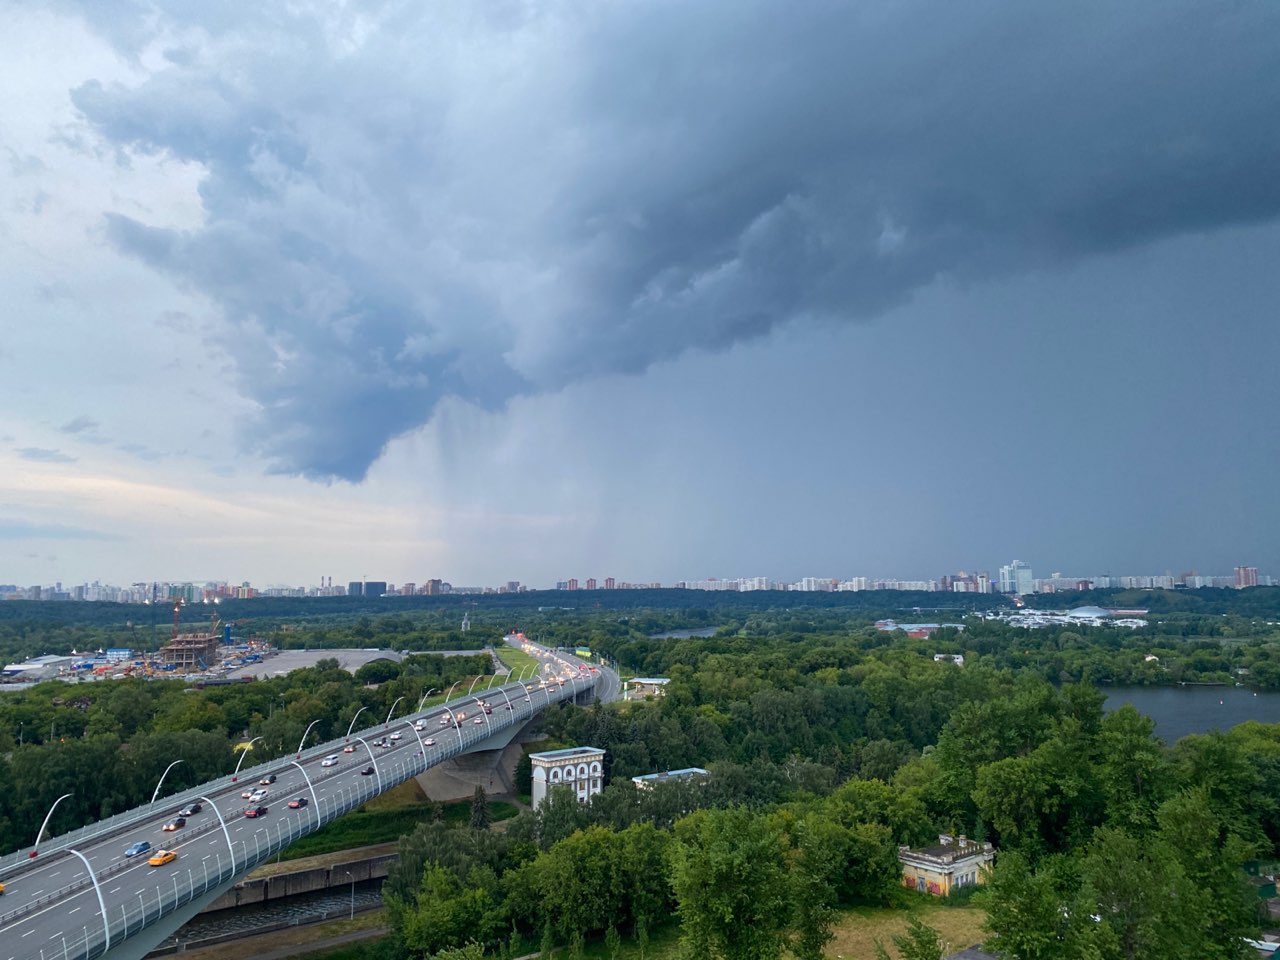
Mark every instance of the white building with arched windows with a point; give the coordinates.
(579, 768)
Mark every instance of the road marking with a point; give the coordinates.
(113, 890)
(73, 911)
(55, 873)
(27, 934)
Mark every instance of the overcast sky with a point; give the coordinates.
(659, 290)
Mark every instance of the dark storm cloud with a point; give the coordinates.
(406, 205)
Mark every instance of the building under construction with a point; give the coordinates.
(191, 651)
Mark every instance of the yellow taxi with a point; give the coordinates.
(162, 857)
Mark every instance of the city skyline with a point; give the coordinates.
(979, 581)
(647, 289)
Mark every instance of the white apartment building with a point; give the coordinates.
(581, 769)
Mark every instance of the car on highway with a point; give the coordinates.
(428, 742)
(419, 726)
(1, 889)
(526, 699)
(174, 824)
(379, 744)
(297, 803)
(259, 794)
(444, 720)
(349, 748)
(509, 705)
(397, 736)
(269, 779)
(478, 720)
(331, 760)
(254, 812)
(367, 772)
(142, 846)
(161, 857)
(190, 810)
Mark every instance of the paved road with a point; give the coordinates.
(50, 910)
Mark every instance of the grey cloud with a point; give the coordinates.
(405, 205)
(25, 530)
(80, 424)
(45, 455)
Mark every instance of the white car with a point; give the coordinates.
(419, 726)
(330, 761)
(259, 794)
(428, 742)
(444, 720)
(478, 720)
(397, 735)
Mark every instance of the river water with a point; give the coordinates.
(1179, 711)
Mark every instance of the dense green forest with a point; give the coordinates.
(829, 744)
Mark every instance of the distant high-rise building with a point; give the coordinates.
(355, 588)
(1246, 577)
(610, 583)
(1017, 578)
(408, 589)
(571, 583)
(591, 583)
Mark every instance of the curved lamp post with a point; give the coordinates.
(352, 725)
(243, 753)
(226, 833)
(450, 693)
(424, 699)
(106, 927)
(156, 792)
(422, 747)
(387, 722)
(314, 799)
(473, 684)
(35, 847)
(298, 756)
(376, 772)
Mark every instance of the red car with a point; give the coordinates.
(255, 812)
(297, 803)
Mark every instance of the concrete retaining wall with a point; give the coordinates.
(262, 889)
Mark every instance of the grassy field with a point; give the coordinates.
(517, 661)
(387, 818)
(856, 934)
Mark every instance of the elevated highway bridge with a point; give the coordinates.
(83, 897)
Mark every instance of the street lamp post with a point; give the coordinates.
(35, 847)
(243, 753)
(387, 722)
(298, 756)
(424, 699)
(226, 833)
(156, 792)
(376, 772)
(450, 693)
(353, 894)
(102, 907)
(352, 725)
(473, 684)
